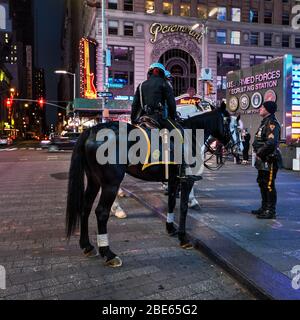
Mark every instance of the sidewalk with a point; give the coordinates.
(226, 197)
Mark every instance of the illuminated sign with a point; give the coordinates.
(253, 83)
(157, 28)
(87, 66)
(296, 102)
(192, 101)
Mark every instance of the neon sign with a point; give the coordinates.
(87, 86)
(157, 28)
(296, 102)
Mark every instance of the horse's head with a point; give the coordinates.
(231, 138)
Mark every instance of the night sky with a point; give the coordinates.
(48, 27)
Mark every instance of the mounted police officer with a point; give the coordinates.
(268, 159)
(155, 98)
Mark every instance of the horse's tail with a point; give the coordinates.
(76, 185)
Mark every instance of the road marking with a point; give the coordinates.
(52, 158)
(23, 159)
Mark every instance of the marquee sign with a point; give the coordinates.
(157, 28)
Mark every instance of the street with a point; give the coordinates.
(41, 264)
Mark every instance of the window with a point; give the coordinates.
(2, 17)
(254, 38)
(285, 41)
(297, 42)
(113, 4)
(268, 39)
(268, 17)
(113, 27)
(228, 59)
(150, 7)
(236, 14)
(221, 83)
(258, 59)
(121, 77)
(235, 37)
(168, 8)
(221, 37)
(185, 10)
(286, 19)
(121, 53)
(202, 12)
(222, 14)
(128, 29)
(128, 5)
(253, 17)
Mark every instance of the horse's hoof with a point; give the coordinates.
(91, 254)
(114, 263)
(186, 245)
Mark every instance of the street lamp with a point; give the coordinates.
(74, 86)
(74, 80)
(204, 48)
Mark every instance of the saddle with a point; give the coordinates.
(148, 122)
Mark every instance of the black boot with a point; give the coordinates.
(267, 214)
(258, 211)
(263, 207)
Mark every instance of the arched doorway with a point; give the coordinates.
(183, 68)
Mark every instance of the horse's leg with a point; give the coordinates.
(186, 187)
(89, 198)
(172, 187)
(107, 198)
(192, 200)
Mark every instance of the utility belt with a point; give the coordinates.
(160, 111)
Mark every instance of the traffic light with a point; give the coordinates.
(41, 102)
(210, 88)
(9, 102)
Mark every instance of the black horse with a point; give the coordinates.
(108, 177)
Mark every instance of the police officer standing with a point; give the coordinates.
(268, 159)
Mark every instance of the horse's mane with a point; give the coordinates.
(208, 121)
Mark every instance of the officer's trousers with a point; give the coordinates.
(266, 181)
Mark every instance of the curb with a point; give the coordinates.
(260, 278)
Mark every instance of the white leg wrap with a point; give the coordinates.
(170, 217)
(102, 240)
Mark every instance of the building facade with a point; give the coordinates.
(240, 34)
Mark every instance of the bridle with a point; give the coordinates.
(230, 147)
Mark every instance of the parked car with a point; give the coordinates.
(66, 141)
(5, 140)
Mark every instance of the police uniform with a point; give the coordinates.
(268, 161)
(155, 94)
